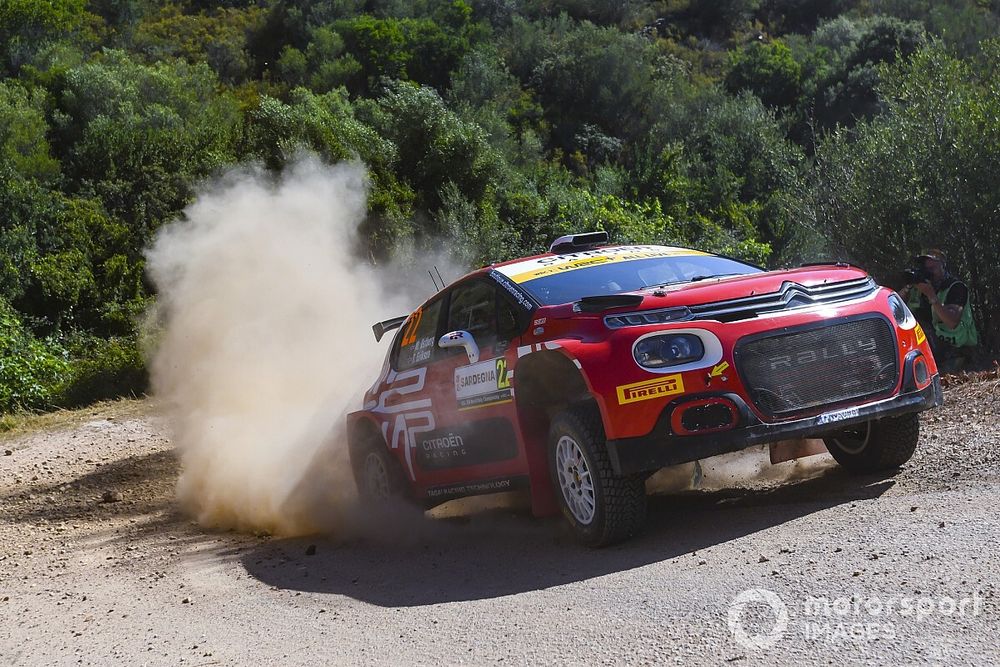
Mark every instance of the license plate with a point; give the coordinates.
(831, 417)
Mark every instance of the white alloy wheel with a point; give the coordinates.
(575, 480)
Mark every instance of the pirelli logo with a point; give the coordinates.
(647, 389)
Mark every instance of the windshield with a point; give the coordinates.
(614, 277)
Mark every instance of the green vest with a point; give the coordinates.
(964, 334)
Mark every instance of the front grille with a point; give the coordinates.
(802, 369)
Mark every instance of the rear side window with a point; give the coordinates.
(509, 323)
(418, 337)
(473, 309)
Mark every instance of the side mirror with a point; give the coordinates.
(461, 339)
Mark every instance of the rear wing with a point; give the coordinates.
(388, 325)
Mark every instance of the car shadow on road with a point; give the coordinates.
(500, 552)
(127, 488)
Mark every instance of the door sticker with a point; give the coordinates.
(482, 384)
(472, 443)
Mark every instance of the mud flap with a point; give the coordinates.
(786, 450)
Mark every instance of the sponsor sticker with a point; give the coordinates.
(649, 389)
(921, 336)
(515, 292)
(547, 266)
(719, 369)
(484, 383)
(467, 444)
(831, 417)
(482, 486)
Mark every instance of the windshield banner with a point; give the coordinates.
(541, 267)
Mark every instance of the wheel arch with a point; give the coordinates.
(546, 382)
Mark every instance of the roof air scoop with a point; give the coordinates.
(578, 242)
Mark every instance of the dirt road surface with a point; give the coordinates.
(97, 566)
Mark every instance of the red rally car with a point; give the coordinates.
(580, 372)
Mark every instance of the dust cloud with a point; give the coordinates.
(262, 342)
(749, 469)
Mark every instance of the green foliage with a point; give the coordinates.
(769, 71)
(921, 174)
(434, 145)
(23, 141)
(961, 24)
(801, 16)
(30, 370)
(847, 92)
(323, 66)
(590, 81)
(726, 162)
(771, 130)
(140, 136)
(218, 38)
(102, 368)
(63, 262)
(27, 24)
(425, 50)
(721, 17)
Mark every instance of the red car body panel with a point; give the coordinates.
(456, 429)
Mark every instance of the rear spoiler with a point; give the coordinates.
(388, 325)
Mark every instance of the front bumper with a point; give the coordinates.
(661, 447)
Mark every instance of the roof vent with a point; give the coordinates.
(578, 242)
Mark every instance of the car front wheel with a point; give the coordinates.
(876, 445)
(601, 507)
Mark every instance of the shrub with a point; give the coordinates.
(105, 369)
(30, 369)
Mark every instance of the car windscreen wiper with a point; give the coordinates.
(711, 275)
(693, 279)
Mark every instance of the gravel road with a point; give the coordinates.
(97, 566)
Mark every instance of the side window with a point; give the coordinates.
(473, 309)
(508, 322)
(418, 337)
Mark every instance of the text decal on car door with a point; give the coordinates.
(485, 383)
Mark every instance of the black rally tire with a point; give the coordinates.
(368, 455)
(880, 444)
(619, 502)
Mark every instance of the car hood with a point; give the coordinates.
(727, 288)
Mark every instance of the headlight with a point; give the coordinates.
(668, 350)
(904, 318)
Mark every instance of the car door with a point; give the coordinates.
(474, 447)
(405, 394)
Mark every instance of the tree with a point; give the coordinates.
(920, 174)
(847, 93)
(769, 71)
(586, 76)
(425, 50)
(218, 38)
(140, 136)
(23, 129)
(26, 25)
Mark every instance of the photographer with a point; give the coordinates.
(940, 302)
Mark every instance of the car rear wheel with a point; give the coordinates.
(879, 444)
(601, 507)
(378, 475)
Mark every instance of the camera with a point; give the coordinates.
(915, 275)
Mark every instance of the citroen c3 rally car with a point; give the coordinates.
(580, 372)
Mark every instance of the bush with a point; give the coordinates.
(30, 369)
(107, 368)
